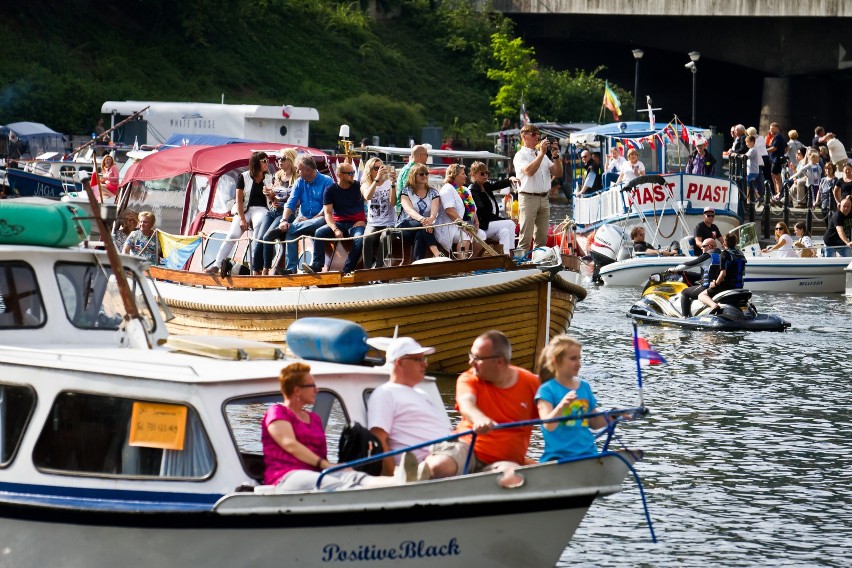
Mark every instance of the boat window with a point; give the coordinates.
(106, 435)
(91, 297)
(199, 195)
(16, 408)
(21, 304)
(676, 157)
(245, 416)
(226, 191)
(164, 197)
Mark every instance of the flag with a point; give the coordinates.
(669, 132)
(646, 354)
(135, 142)
(652, 140)
(525, 118)
(176, 249)
(684, 133)
(610, 101)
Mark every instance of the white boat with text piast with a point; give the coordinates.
(122, 446)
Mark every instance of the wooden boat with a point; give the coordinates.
(122, 446)
(423, 301)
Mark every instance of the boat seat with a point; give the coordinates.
(253, 465)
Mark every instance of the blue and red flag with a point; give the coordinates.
(646, 354)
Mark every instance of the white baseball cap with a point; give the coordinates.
(402, 346)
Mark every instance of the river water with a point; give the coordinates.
(747, 452)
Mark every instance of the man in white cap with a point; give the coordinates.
(706, 229)
(401, 414)
(701, 162)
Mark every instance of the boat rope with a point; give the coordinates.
(620, 415)
(382, 303)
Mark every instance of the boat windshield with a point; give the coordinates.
(164, 197)
(21, 304)
(91, 297)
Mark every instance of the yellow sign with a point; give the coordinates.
(155, 425)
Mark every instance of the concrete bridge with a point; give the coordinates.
(760, 61)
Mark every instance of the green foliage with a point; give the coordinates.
(570, 97)
(516, 72)
(369, 115)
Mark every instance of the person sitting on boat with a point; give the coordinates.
(250, 206)
(307, 195)
(143, 241)
(378, 186)
(805, 245)
(269, 229)
(704, 230)
(343, 207)
(419, 156)
(491, 392)
(401, 414)
(637, 235)
(708, 261)
(592, 181)
(701, 162)
(109, 174)
(456, 205)
(838, 233)
(632, 168)
(487, 210)
(126, 224)
(612, 169)
(566, 394)
(293, 440)
(784, 244)
(730, 277)
(420, 206)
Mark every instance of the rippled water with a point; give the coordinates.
(747, 448)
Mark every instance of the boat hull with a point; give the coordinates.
(816, 275)
(530, 306)
(464, 521)
(27, 184)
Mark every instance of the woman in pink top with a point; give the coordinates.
(109, 174)
(294, 448)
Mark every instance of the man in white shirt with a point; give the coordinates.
(401, 414)
(534, 164)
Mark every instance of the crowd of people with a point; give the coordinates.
(401, 414)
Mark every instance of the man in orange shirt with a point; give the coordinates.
(494, 391)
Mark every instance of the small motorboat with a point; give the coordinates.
(660, 305)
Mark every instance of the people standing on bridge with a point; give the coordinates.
(827, 185)
(776, 148)
(701, 162)
(753, 169)
(793, 147)
(739, 146)
(766, 165)
(807, 178)
(534, 163)
(843, 187)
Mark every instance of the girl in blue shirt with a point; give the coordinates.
(566, 394)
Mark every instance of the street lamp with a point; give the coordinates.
(637, 55)
(694, 56)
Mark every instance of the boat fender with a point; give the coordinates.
(50, 225)
(327, 339)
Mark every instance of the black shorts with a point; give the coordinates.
(776, 168)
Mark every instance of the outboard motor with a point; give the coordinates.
(605, 248)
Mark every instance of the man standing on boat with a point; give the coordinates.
(701, 162)
(491, 392)
(419, 155)
(706, 229)
(401, 414)
(343, 208)
(534, 164)
(592, 180)
(308, 194)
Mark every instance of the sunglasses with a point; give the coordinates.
(709, 214)
(348, 173)
(423, 173)
(779, 228)
(264, 160)
(375, 168)
(534, 134)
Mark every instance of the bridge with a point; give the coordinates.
(760, 61)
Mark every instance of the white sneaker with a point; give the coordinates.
(406, 471)
(424, 472)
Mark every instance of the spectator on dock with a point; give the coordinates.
(754, 179)
(776, 147)
(807, 176)
(706, 229)
(308, 194)
(793, 147)
(843, 187)
(534, 163)
(739, 145)
(401, 414)
(760, 146)
(784, 242)
(821, 137)
(827, 198)
(838, 234)
(566, 394)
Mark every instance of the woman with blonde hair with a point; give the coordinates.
(566, 394)
(632, 168)
(277, 195)
(784, 244)
(420, 204)
(378, 188)
(293, 440)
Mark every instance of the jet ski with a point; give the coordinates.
(660, 305)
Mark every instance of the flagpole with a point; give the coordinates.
(638, 364)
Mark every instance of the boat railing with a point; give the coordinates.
(613, 418)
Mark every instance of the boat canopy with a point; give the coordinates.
(636, 129)
(27, 139)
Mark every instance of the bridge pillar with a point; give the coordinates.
(775, 106)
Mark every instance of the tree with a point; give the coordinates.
(517, 70)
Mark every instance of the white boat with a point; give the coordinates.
(658, 204)
(121, 446)
(848, 272)
(764, 272)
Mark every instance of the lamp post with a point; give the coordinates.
(694, 56)
(637, 55)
